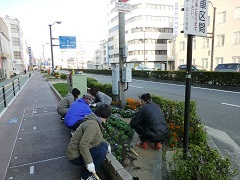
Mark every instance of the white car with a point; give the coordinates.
(143, 68)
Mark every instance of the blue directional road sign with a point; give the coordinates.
(67, 42)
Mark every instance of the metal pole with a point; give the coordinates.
(4, 96)
(13, 88)
(43, 53)
(213, 34)
(187, 94)
(50, 28)
(121, 22)
(144, 47)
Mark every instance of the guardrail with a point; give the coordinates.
(10, 89)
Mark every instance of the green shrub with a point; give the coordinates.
(63, 76)
(202, 163)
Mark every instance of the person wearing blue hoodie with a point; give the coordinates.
(77, 111)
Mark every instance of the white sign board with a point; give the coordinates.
(123, 7)
(195, 17)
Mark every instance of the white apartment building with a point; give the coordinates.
(17, 43)
(5, 52)
(149, 27)
(81, 57)
(226, 36)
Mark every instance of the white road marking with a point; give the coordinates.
(136, 87)
(233, 92)
(230, 104)
(32, 170)
(34, 128)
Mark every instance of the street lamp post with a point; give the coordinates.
(51, 45)
(213, 34)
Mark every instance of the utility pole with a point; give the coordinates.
(213, 34)
(51, 45)
(121, 21)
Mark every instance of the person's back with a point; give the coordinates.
(102, 98)
(64, 104)
(77, 111)
(149, 123)
(154, 121)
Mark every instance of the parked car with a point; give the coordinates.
(143, 68)
(228, 67)
(194, 68)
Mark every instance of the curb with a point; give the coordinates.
(114, 168)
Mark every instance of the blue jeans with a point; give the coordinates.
(98, 155)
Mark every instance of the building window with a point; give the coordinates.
(236, 37)
(221, 17)
(15, 41)
(205, 43)
(219, 60)
(205, 62)
(14, 28)
(237, 13)
(236, 59)
(182, 45)
(220, 40)
(17, 55)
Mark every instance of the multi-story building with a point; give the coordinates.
(149, 27)
(226, 41)
(17, 43)
(5, 52)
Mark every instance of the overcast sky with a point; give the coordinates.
(84, 19)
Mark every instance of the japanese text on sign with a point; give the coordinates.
(195, 17)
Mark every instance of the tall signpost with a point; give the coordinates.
(122, 7)
(195, 24)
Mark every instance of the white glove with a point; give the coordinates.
(94, 105)
(91, 168)
(109, 149)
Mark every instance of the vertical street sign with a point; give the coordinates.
(195, 17)
(123, 7)
(195, 24)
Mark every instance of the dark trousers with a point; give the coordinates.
(76, 125)
(143, 136)
(98, 155)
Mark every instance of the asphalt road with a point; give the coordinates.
(218, 109)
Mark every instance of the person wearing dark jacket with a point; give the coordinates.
(149, 123)
(87, 147)
(77, 111)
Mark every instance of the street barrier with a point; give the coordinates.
(9, 91)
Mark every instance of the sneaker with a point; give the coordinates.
(72, 132)
(142, 145)
(90, 178)
(157, 146)
(62, 119)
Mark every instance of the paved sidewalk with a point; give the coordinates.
(33, 140)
